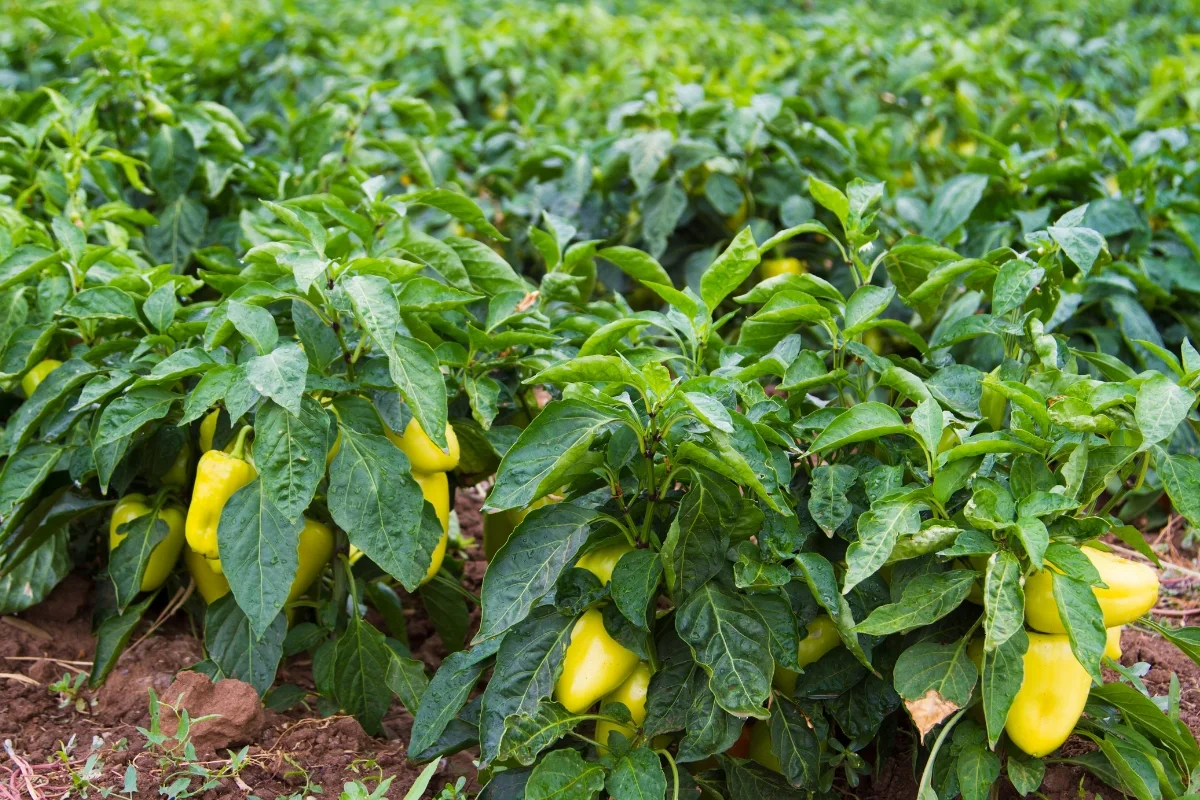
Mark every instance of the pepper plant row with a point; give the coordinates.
(831, 480)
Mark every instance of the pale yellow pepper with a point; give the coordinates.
(1132, 591)
(821, 638)
(165, 553)
(595, 664)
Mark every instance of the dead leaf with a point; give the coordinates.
(929, 710)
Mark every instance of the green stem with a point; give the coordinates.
(674, 770)
(239, 446)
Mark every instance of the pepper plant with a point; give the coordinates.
(775, 542)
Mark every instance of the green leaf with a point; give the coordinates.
(414, 368)
(637, 775)
(730, 269)
(101, 303)
(209, 391)
(232, 644)
(1080, 613)
(795, 742)
(526, 735)
(256, 324)
(727, 641)
(545, 451)
(111, 638)
(1014, 283)
(30, 581)
(592, 369)
(925, 600)
(830, 197)
(373, 497)
(259, 549)
(529, 563)
(1025, 772)
(488, 272)
(180, 364)
(1082, 245)
(935, 680)
(822, 583)
(695, 545)
(977, 768)
(161, 306)
(123, 416)
(527, 665)
(127, 563)
(827, 502)
(447, 691)
(859, 423)
(289, 454)
(21, 476)
(1003, 599)
(45, 400)
(361, 663)
(878, 531)
(867, 303)
(953, 204)
(1181, 478)
(280, 375)
(1003, 670)
(635, 579)
(636, 264)
(447, 609)
(1161, 406)
(456, 205)
(564, 775)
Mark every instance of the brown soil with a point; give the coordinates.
(294, 751)
(288, 752)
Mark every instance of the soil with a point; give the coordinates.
(290, 753)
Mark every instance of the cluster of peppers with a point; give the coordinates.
(192, 531)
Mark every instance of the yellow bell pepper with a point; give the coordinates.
(992, 404)
(949, 440)
(601, 561)
(436, 490)
(211, 584)
(35, 376)
(1051, 698)
(165, 553)
(632, 693)
(177, 474)
(314, 549)
(760, 746)
(594, 665)
(781, 266)
(1132, 591)
(218, 476)
(821, 638)
(423, 454)
(497, 527)
(208, 429)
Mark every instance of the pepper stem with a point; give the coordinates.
(239, 446)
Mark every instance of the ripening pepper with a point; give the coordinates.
(165, 553)
(760, 746)
(1051, 698)
(632, 693)
(212, 585)
(35, 376)
(781, 266)
(821, 638)
(218, 476)
(423, 454)
(992, 404)
(177, 473)
(594, 665)
(601, 561)
(314, 549)
(208, 429)
(436, 490)
(1132, 591)
(1112, 647)
(498, 526)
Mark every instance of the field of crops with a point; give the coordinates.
(512, 399)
